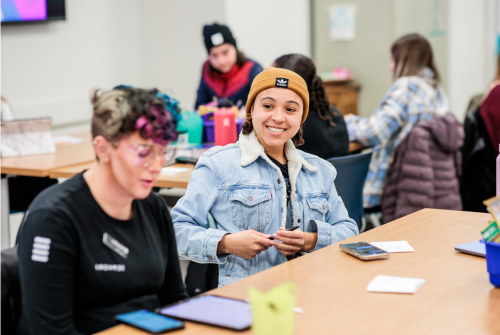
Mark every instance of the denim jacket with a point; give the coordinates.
(244, 190)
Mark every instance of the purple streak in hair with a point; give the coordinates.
(155, 111)
(148, 131)
(141, 122)
(161, 129)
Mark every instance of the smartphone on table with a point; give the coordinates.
(364, 251)
(150, 322)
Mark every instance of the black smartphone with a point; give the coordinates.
(150, 322)
(288, 229)
(186, 160)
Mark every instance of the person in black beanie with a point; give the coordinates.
(227, 73)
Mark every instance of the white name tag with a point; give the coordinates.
(217, 39)
(114, 245)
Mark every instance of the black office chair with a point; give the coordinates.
(11, 292)
(351, 175)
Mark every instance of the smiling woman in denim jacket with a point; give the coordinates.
(260, 186)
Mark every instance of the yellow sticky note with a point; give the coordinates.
(272, 312)
(493, 205)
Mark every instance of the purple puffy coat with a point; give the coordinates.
(426, 170)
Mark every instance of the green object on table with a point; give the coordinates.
(490, 232)
(272, 312)
(190, 128)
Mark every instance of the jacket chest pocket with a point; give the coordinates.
(251, 208)
(318, 207)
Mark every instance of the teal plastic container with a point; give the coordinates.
(192, 125)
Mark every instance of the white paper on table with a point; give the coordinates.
(394, 246)
(66, 139)
(171, 170)
(390, 284)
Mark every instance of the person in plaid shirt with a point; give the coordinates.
(415, 95)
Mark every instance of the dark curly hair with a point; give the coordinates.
(305, 67)
(124, 110)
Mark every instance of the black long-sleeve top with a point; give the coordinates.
(73, 282)
(322, 139)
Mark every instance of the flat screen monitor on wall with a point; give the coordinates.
(17, 11)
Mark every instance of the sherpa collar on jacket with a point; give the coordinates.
(251, 149)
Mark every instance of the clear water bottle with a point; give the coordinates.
(498, 173)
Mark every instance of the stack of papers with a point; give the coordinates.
(392, 284)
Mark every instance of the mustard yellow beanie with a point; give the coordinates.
(275, 77)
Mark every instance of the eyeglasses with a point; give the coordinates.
(148, 153)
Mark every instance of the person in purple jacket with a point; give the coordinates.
(227, 73)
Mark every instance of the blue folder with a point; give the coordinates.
(477, 248)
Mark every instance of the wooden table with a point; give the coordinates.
(456, 298)
(40, 165)
(180, 180)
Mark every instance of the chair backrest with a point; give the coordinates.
(11, 292)
(351, 175)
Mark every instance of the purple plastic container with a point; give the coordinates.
(208, 128)
(209, 131)
(239, 125)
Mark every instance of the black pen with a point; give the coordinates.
(288, 229)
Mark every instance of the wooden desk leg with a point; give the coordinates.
(5, 243)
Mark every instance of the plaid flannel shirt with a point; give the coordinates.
(410, 100)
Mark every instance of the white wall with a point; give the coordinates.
(266, 29)
(368, 55)
(171, 44)
(469, 61)
(430, 19)
(48, 68)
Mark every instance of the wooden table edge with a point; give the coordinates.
(57, 173)
(25, 172)
(171, 184)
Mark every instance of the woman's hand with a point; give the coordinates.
(294, 241)
(245, 244)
